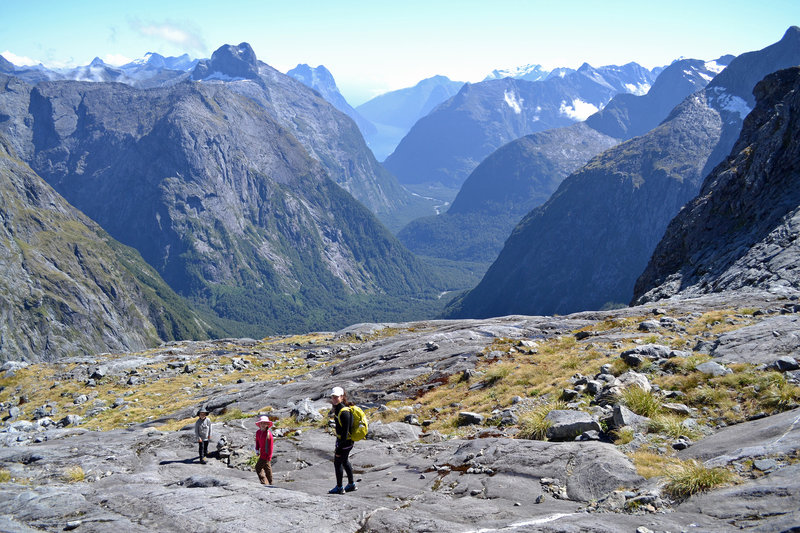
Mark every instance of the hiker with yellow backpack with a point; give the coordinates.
(350, 425)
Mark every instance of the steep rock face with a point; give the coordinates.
(510, 182)
(321, 80)
(221, 199)
(585, 248)
(446, 145)
(327, 134)
(66, 287)
(743, 229)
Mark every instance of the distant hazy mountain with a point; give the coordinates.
(585, 247)
(447, 144)
(394, 113)
(743, 229)
(67, 288)
(153, 70)
(321, 80)
(221, 187)
(526, 72)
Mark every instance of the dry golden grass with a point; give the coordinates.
(73, 474)
(649, 464)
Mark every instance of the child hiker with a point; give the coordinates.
(264, 443)
(202, 430)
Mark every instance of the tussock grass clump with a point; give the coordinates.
(641, 402)
(670, 425)
(533, 425)
(5, 475)
(497, 373)
(781, 396)
(692, 477)
(74, 474)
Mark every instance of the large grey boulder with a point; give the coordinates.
(567, 424)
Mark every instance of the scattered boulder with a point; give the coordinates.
(568, 424)
(305, 410)
(713, 368)
(623, 416)
(467, 418)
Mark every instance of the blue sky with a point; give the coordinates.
(374, 46)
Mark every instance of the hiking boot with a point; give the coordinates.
(350, 487)
(202, 461)
(336, 490)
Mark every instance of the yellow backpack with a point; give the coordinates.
(360, 425)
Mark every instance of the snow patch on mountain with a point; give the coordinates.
(511, 99)
(730, 102)
(579, 110)
(638, 89)
(527, 72)
(715, 67)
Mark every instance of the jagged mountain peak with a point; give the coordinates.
(228, 61)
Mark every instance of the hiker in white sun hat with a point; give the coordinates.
(341, 453)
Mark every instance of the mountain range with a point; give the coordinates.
(210, 180)
(447, 144)
(524, 173)
(586, 246)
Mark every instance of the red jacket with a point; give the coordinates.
(264, 444)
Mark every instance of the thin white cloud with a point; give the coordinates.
(19, 61)
(116, 59)
(173, 33)
(579, 110)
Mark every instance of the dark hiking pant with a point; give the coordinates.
(202, 449)
(341, 464)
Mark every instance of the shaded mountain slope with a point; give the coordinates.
(67, 287)
(524, 173)
(510, 182)
(743, 229)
